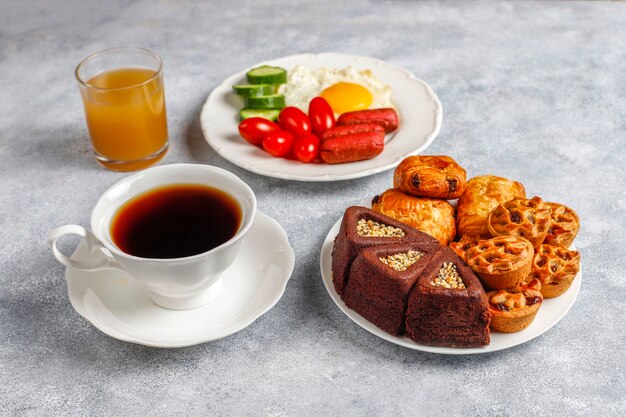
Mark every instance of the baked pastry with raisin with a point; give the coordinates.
(564, 227)
(528, 218)
(514, 309)
(430, 176)
(501, 262)
(555, 267)
(430, 215)
(483, 194)
(463, 245)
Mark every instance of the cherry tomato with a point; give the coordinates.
(278, 143)
(254, 129)
(321, 115)
(306, 148)
(294, 121)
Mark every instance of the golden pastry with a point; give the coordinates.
(432, 216)
(430, 176)
(564, 227)
(528, 218)
(463, 245)
(483, 194)
(556, 267)
(501, 262)
(513, 310)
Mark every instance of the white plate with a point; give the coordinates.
(550, 313)
(118, 306)
(418, 107)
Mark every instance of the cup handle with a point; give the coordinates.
(93, 244)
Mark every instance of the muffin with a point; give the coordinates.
(515, 309)
(501, 262)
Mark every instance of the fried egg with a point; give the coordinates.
(345, 89)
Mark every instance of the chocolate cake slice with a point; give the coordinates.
(362, 228)
(448, 306)
(381, 278)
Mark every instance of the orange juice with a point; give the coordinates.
(125, 110)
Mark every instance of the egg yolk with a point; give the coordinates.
(344, 97)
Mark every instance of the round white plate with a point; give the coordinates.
(418, 107)
(550, 313)
(118, 306)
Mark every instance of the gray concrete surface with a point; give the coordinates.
(531, 91)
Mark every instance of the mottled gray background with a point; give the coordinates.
(531, 91)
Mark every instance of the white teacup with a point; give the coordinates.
(179, 283)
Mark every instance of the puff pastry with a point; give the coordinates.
(433, 216)
(430, 176)
(483, 194)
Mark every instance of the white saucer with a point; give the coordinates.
(119, 306)
(550, 313)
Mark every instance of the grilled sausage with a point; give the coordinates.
(387, 118)
(336, 131)
(352, 147)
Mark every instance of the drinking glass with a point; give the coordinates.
(122, 91)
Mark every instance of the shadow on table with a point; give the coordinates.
(197, 150)
(43, 321)
(316, 306)
(65, 147)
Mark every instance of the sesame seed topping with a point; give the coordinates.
(448, 277)
(401, 261)
(370, 228)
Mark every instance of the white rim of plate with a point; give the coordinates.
(294, 170)
(568, 299)
(81, 309)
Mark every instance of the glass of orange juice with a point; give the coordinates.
(122, 90)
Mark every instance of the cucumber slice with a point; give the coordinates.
(252, 90)
(267, 75)
(273, 101)
(270, 114)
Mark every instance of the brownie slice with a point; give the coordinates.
(359, 231)
(447, 308)
(381, 278)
